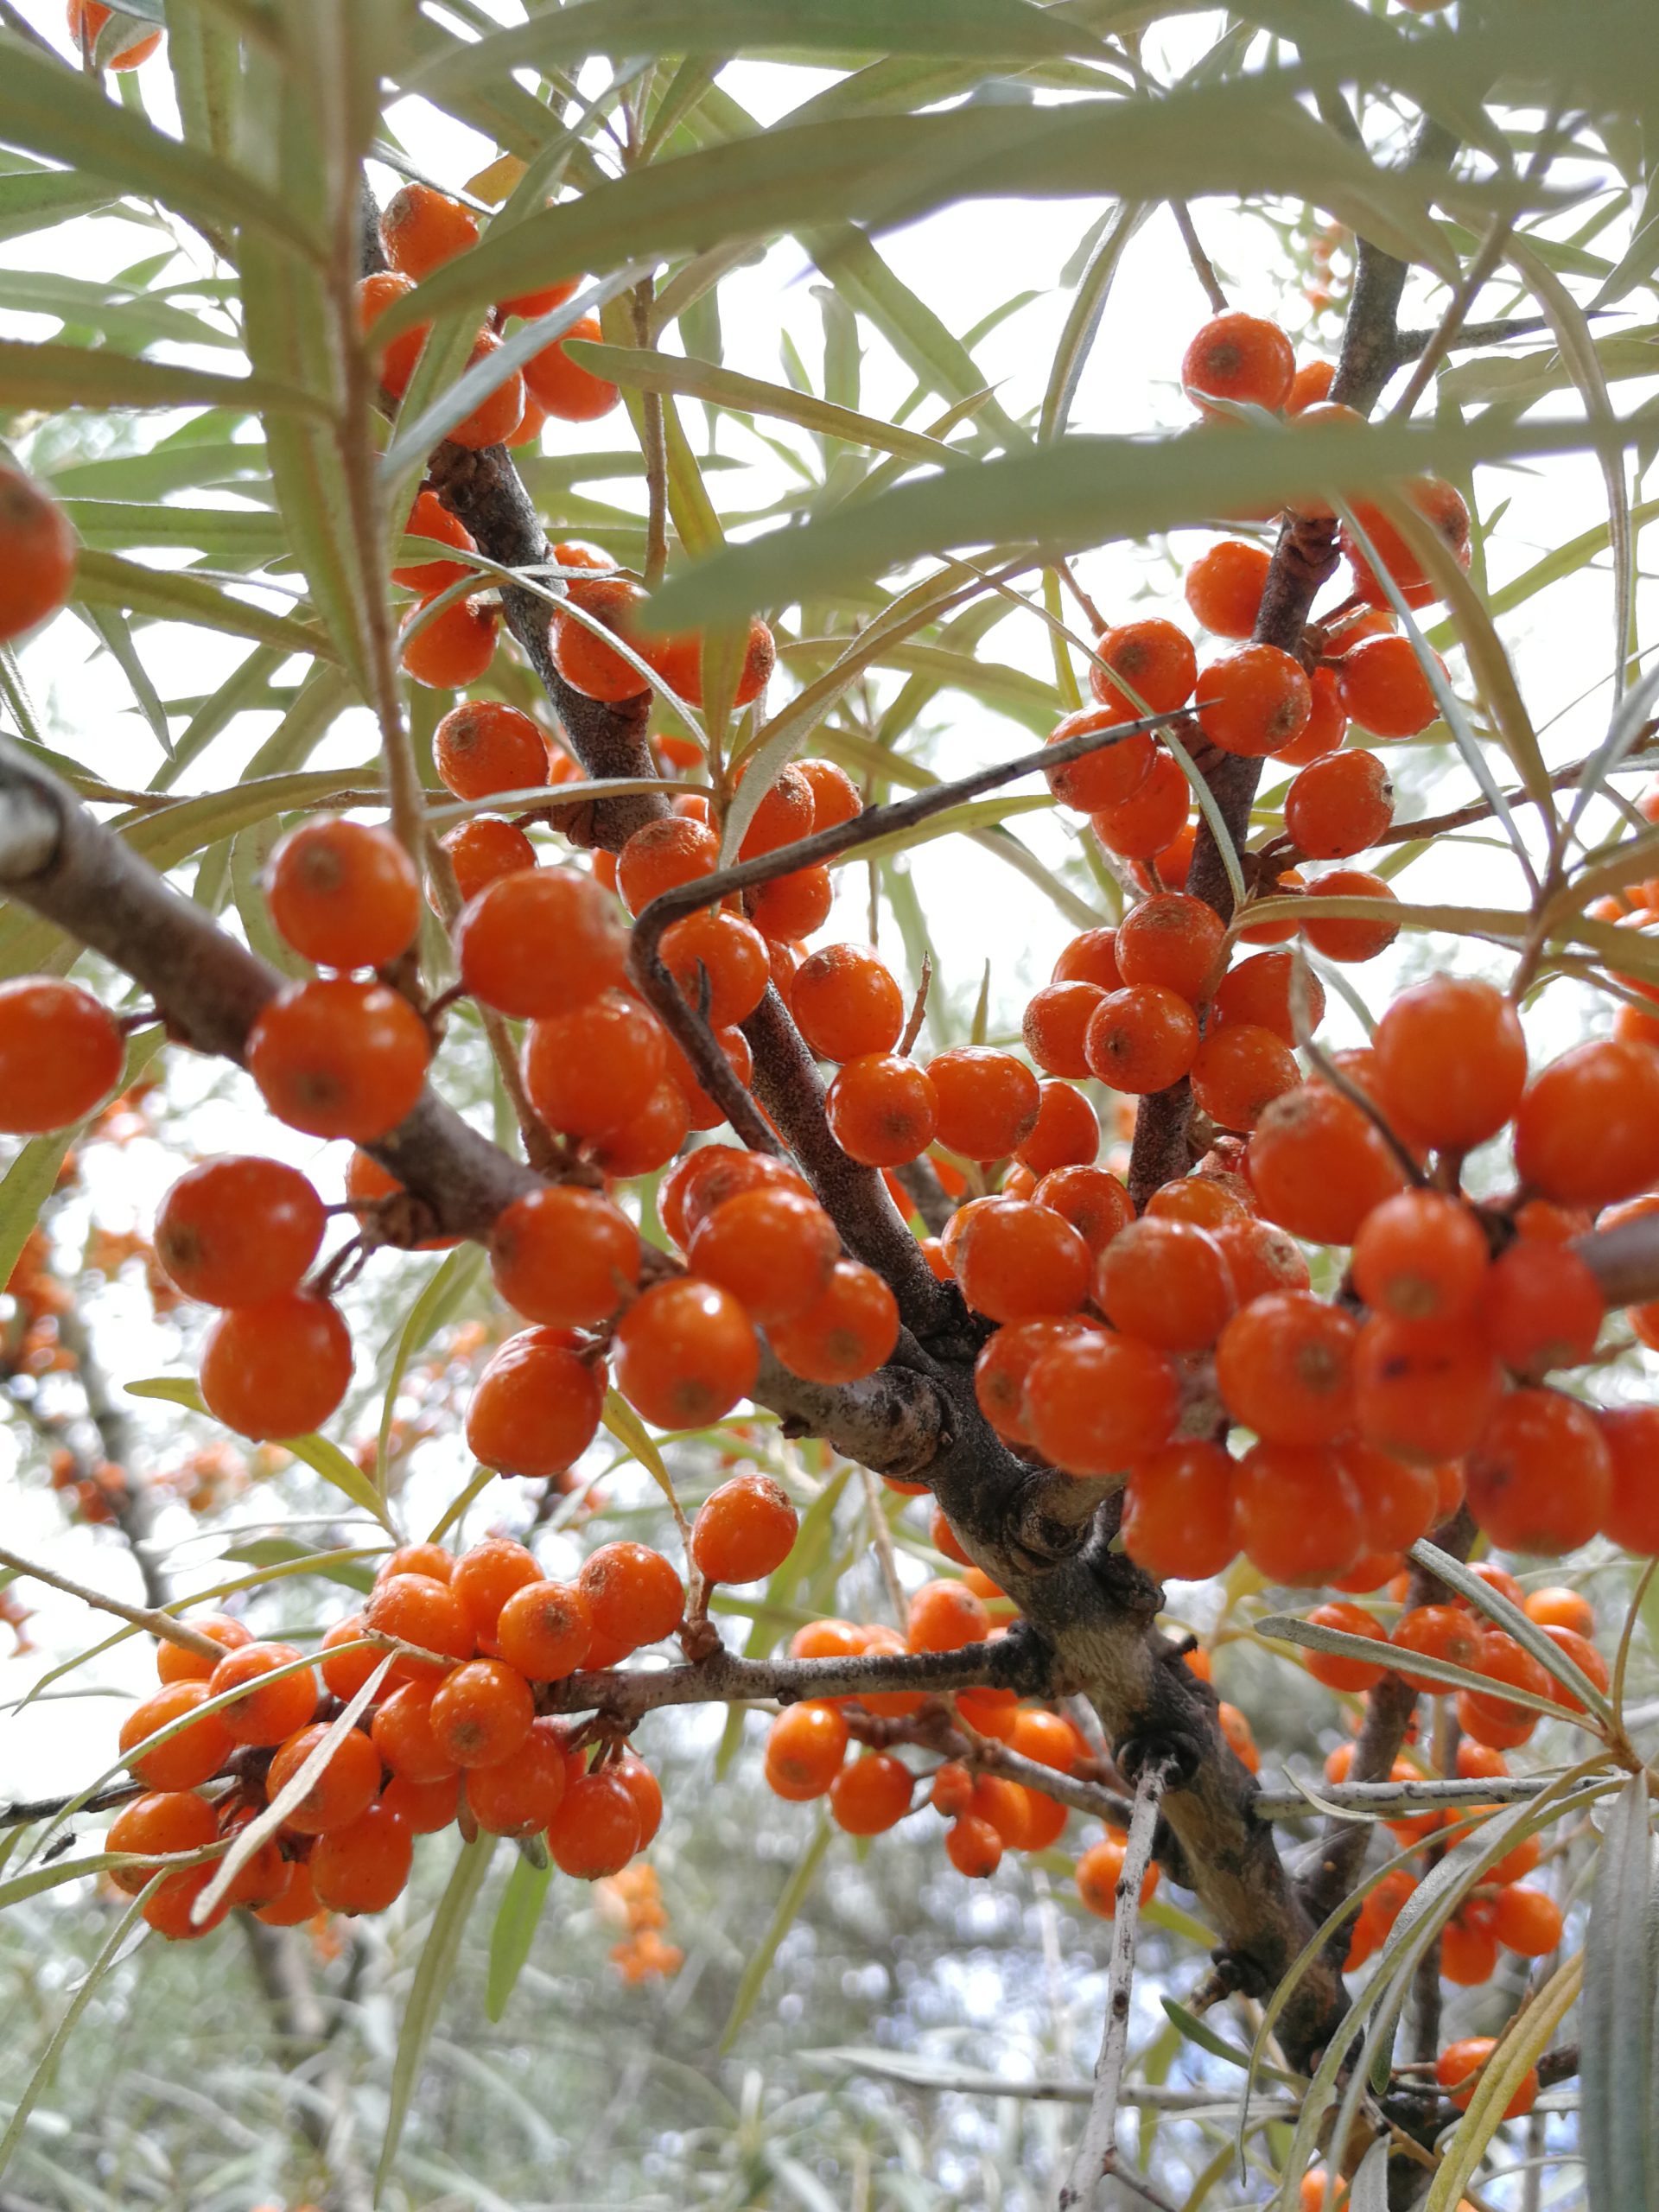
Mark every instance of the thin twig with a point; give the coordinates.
(1203, 267)
(148, 1618)
(882, 1537)
(917, 1009)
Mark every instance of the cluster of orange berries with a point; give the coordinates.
(634, 1896)
(453, 1734)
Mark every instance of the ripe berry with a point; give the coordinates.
(483, 747)
(197, 1750)
(1325, 729)
(593, 1069)
(37, 555)
(1101, 1869)
(1443, 1632)
(1339, 1673)
(234, 1231)
(1141, 1039)
(871, 1794)
(805, 1746)
(1099, 1403)
(1107, 777)
(265, 1710)
(343, 894)
(429, 518)
(421, 229)
(1225, 585)
(973, 1846)
(60, 1052)
(662, 855)
(580, 653)
(541, 943)
(1090, 957)
(1451, 1062)
(1284, 1367)
(1055, 1023)
(1540, 1479)
(563, 389)
(846, 1333)
(1442, 507)
(1349, 937)
(344, 1789)
(1586, 1130)
(845, 1003)
(1526, 1920)
(1017, 1261)
(484, 850)
(1178, 1511)
(453, 647)
(482, 1712)
(420, 1610)
(1152, 659)
(726, 950)
(364, 1867)
(498, 414)
(1492, 1718)
(792, 906)
(1382, 687)
(174, 1663)
(1144, 824)
(1318, 1166)
(1094, 1202)
(1295, 1515)
(1468, 1946)
(397, 358)
(338, 1058)
(744, 1530)
(987, 1102)
(1067, 1132)
(1631, 1515)
(546, 1630)
(1166, 1283)
(678, 661)
(650, 1140)
(772, 1247)
(521, 1795)
(279, 1367)
(87, 18)
(536, 1408)
(1000, 1369)
(685, 1353)
(1242, 358)
(1171, 941)
(1420, 1256)
(1255, 700)
(1237, 1072)
(1542, 1308)
(1338, 805)
(1423, 1390)
(162, 1823)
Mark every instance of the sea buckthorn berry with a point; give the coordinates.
(1349, 937)
(1325, 727)
(168, 1912)
(338, 1058)
(703, 1112)
(1055, 1023)
(421, 229)
(793, 907)
(685, 1353)
(1450, 1061)
(1295, 1515)
(1526, 1920)
(541, 943)
(397, 358)
(1631, 1517)
(973, 1846)
(846, 1333)
(1310, 384)
(265, 1712)
(521, 1795)
(1383, 687)
(343, 894)
(533, 305)
(713, 1174)
(1443, 1632)
(988, 1101)
(772, 1247)
(484, 850)
(1104, 778)
(1099, 1872)
(650, 1140)
(544, 1629)
(1094, 1202)
(661, 856)
(482, 1712)
(565, 1257)
(1017, 1261)
(1542, 1308)
(1492, 1718)
(486, 1576)
(498, 414)
(1090, 957)
(1171, 941)
(1178, 1511)
(237, 1231)
(590, 1071)
(871, 1795)
(634, 1594)
(1318, 1166)
(1144, 824)
(429, 518)
(197, 1750)
(1100, 1401)
(1205, 1201)
(783, 816)
(344, 1789)
(805, 1746)
(1238, 357)
(39, 547)
(561, 387)
(60, 1051)
(297, 1901)
(1225, 585)
(595, 1830)
(944, 1616)
(1142, 1038)
(744, 1531)
(344, 1672)
(1335, 1672)
(1420, 1256)
(364, 1867)
(453, 647)
(834, 795)
(1557, 1606)
(677, 662)
(1586, 1130)
(1166, 1283)
(1253, 700)
(1284, 1366)
(417, 1559)
(827, 1639)
(1237, 1072)
(1338, 805)
(1067, 1133)
(1442, 507)
(483, 747)
(420, 1610)
(579, 651)
(1049, 1738)
(1468, 1946)
(164, 1823)
(1540, 1479)
(727, 951)
(1398, 1502)
(1586, 1658)
(1423, 1390)
(536, 1408)
(279, 1367)
(1171, 864)
(845, 1003)
(999, 1374)
(175, 1662)
(952, 1791)
(1151, 657)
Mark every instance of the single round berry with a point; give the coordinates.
(536, 1408)
(1338, 805)
(1382, 687)
(1255, 700)
(37, 555)
(279, 1367)
(235, 1232)
(1239, 357)
(685, 1353)
(744, 1530)
(60, 1052)
(338, 1058)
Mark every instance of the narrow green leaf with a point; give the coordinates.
(431, 1985)
(170, 596)
(517, 1919)
(205, 53)
(1201, 2033)
(1084, 320)
(1280, 1628)
(1621, 1957)
(171, 1389)
(636, 1439)
(57, 377)
(783, 1919)
(442, 1293)
(1522, 2044)
(327, 1459)
(1509, 1618)
(34, 199)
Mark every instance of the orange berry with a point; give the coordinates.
(871, 1794)
(1442, 507)
(1094, 1202)
(1339, 1673)
(174, 1663)
(521, 1795)
(565, 1257)
(1295, 1513)
(1241, 358)
(544, 1629)
(1141, 1039)
(168, 1911)
(364, 1867)
(1526, 1920)
(662, 855)
(541, 943)
(297, 1901)
(343, 894)
(1144, 824)
(419, 1610)
(1420, 1256)
(453, 647)
(344, 1672)
(235, 1232)
(595, 1829)
(1284, 1367)
(1338, 805)
(562, 388)
(1451, 1062)
(1098, 1403)
(1349, 937)
(1258, 992)
(1055, 1023)
(846, 1333)
(685, 1353)
(1631, 1515)
(1017, 1261)
(1586, 1130)
(165, 1823)
(579, 651)
(882, 1110)
(429, 518)
(729, 952)
(1540, 1479)
(1177, 1514)
(486, 1576)
(1253, 700)
(999, 1374)
(338, 1058)
(1557, 1606)
(772, 1247)
(198, 1749)
(344, 1789)
(1382, 687)
(1492, 1718)
(498, 414)
(1090, 957)
(744, 1531)
(1099, 1870)
(1310, 384)
(1468, 1946)
(60, 1052)
(483, 747)
(792, 906)
(421, 229)
(634, 1594)
(1066, 1135)
(1225, 585)
(1318, 1166)
(1171, 941)
(1424, 1391)
(1398, 1502)
(87, 18)
(1105, 778)
(593, 1069)
(39, 548)
(845, 1003)
(973, 1846)
(678, 661)
(805, 1746)
(1542, 1308)
(264, 1712)
(1166, 1283)
(480, 1713)
(484, 850)
(1324, 731)
(536, 1408)
(1152, 659)
(1238, 1070)
(279, 1367)
(396, 359)
(945, 1615)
